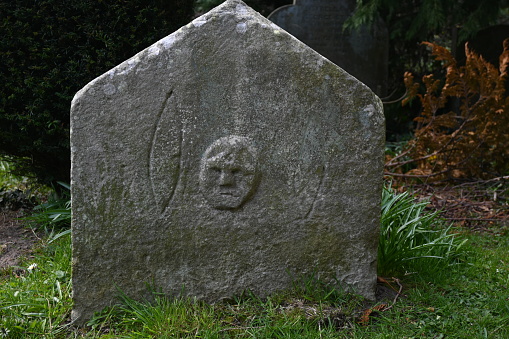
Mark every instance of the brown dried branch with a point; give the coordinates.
(402, 175)
(468, 140)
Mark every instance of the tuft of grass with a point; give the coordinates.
(170, 318)
(410, 236)
(245, 316)
(55, 214)
(35, 299)
(312, 289)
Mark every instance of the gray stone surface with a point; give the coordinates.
(227, 156)
(319, 24)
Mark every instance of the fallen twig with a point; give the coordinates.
(394, 101)
(416, 175)
(396, 280)
(471, 219)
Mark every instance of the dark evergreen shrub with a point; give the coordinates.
(265, 7)
(49, 49)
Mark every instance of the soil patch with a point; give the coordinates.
(16, 241)
(478, 206)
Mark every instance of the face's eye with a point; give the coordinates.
(215, 169)
(236, 170)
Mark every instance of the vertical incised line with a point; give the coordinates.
(153, 141)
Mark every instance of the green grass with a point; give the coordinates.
(466, 300)
(450, 291)
(285, 315)
(35, 297)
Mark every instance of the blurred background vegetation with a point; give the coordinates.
(50, 49)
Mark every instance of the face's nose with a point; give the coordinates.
(226, 178)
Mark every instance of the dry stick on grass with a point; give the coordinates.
(391, 162)
(398, 292)
(427, 176)
(31, 229)
(472, 219)
(396, 280)
(475, 183)
(383, 280)
(416, 175)
(424, 157)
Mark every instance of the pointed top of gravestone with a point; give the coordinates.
(235, 16)
(228, 156)
(362, 52)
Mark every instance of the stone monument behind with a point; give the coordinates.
(227, 156)
(319, 24)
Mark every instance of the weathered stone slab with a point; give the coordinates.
(319, 24)
(225, 157)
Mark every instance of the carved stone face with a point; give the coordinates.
(229, 173)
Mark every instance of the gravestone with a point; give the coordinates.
(319, 24)
(226, 157)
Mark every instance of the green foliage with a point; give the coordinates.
(265, 7)
(55, 214)
(411, 237)
(17, 192)
(7, 179)
(439, 306)
(49, 50)
(418, 20)
(202, 6)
